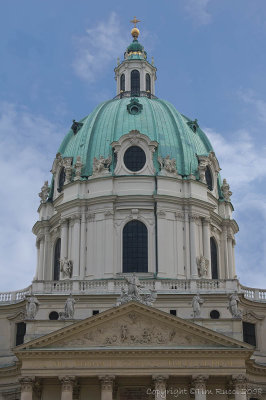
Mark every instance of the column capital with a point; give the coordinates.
(63, 221)
(194, 217)
(27, 383)
(200, 379)
(107, 381)
(240, 381)
(206, 220)
(67, 382)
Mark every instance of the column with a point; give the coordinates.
(230, 255)
(67, 383)
(64, 237)
(26, 384)
(106, 387)
(75, 245)
(90, 246)
(192, 233)
(206, 244)
(160, 387)
(199, 385)
(41, 259)
(239, 382)
(109, 243)
(83, 240)
(186, 245)
(225, 252)
(46, 258)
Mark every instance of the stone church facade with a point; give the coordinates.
(135, 294)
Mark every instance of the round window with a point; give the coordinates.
(134, 158)
(53, 315)
(214, 314)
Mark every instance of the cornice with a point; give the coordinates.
(256, 369)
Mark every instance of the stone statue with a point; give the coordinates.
(233, 306)
(150, 298)
(226, 191)
(101, 165)
(78, 168)
(31, 307)
(134, 286)
(70, 307)
(203, 266)
(196, 304)
(44, 193)
(66, 267)
(203, 163)
(168, 166)
(134, 292)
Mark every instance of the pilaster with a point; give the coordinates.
(64, 239)
(193, 254)
(76, 244)
(206, 243)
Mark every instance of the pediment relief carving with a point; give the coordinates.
(133, 329)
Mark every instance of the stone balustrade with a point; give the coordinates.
(104, 286)
(254, 294)
(14, 297)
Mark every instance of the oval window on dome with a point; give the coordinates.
(134, 158)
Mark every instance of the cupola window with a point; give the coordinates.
(122, 82)
(135, 247)
(134, 158)
(61, 180)
(214, 260)
(148, 83)
(208, 177)
(57, 255)
(135, 83)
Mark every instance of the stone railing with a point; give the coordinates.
(113, 286)
(14, 297)
(254, 294)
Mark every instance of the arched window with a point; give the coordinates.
(57, 255)
(61, 180)
(148, 83)
(122, 82)
(214, 259)
(135, 83)
(135, 247)
(208, 176)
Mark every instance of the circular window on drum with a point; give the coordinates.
(134, 158)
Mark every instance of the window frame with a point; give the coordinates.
(146, 265)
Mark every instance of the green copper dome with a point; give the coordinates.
(177, 136)
(135, 46)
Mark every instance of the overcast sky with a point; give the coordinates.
(57, 60)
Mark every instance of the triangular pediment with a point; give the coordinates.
(136, 326)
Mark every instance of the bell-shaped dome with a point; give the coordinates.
(177, 136)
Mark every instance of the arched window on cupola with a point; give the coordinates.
(214, 258)
(61, 180)
(57, 255)
(135, 247)
(208, 177)
(135, 83)
(122, 82)
(148, 83)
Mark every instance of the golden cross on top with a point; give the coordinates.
(135, 21)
